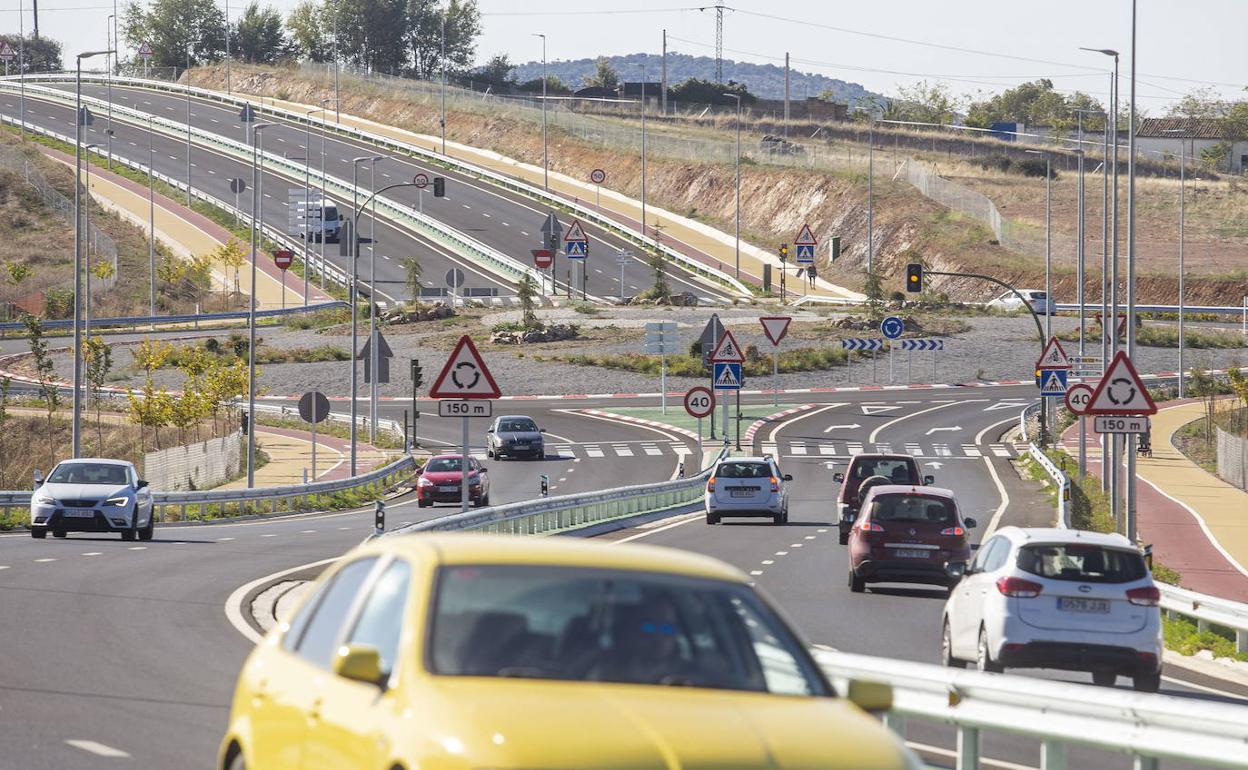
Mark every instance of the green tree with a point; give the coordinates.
(1239, 386)
(526, 291)
(1202, 385)
(98, 357)
(709, 92)
(152, 408)
(371, 33)
(496, 73)
(45, 376)
(604, 75)
(5, 384)
(41, 54)
(658, 264)
(258, 35)
(924, 102)
(413, 269)
(176, 28)
(1034, 103)
(223, 382)
(553, 86)
(309, 33)
(423, 35)
(873, 287)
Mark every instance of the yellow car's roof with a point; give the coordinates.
(470, 548)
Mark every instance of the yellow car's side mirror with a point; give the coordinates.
(872, 697)
(359, 663)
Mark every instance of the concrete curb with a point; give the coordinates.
(757, 424)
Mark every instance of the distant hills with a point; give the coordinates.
(765, 81)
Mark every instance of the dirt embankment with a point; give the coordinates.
(776, 201)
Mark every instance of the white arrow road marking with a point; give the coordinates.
(98, 749)
(1005, 405)
(831, 428)
(877, 408)
(955, 429)
(896, 420)
(935, 465)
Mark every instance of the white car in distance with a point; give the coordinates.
(1060, 599)
(92, 495)
(747, 486)
(1036, 298)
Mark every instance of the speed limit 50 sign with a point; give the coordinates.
(1078, 397)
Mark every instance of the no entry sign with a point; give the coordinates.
(283, 258)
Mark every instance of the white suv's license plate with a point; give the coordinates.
(1077, 604)
(79, 513)
(906, 553)
(742, 492)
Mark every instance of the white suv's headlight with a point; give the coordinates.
(42, 499)
(117, 502)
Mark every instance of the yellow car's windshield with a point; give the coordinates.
(584, 624)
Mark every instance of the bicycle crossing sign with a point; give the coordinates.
(1054, 356)
(727, 351)
(1121, 392)
(575, 242)
(727, 375)
(805, 243)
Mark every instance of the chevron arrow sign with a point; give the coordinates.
(922, 344)
(858, 343)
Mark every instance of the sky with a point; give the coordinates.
(972, 45)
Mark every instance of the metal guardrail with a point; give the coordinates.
(458, 243)
(548, 515)
(1204, 610)
(1147, 727)
(465, 167)
(203, 504)
(1221, 309)
(143, 320)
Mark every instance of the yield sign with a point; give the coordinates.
(775, 327)
(805, 237)
(1121, 392)
(728, 350)
(575, 232)
(465, 374)
(1053, 357)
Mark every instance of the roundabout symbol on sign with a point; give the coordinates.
(1078, 397)
(597, 176)
(699, 402)
(421, 181)
(892, 327)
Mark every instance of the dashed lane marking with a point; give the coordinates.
(98, 749)
(43, 561)
(224, 539)
(137, 548)
(92, 553)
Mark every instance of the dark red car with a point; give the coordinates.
(439, 481)
(881, 469)
(907, 534)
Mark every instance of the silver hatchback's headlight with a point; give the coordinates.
(42, 499)
(117, 502)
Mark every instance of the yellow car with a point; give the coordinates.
(477, 652)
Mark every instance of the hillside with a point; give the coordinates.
(763, 80)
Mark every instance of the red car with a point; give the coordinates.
(881, 469)
(907, 534)
(439, 481)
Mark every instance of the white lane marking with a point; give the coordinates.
(484, 214)
(43, 561)
(782, 553)
(809, 537)
(756, 572)
(1000, 450)
(224, 539)
(875, 433)
(768, 561)
(137, 548)
(234, 604)
(1202, 688)
(795, 545)
(4, 566)
(1005, 501)
(593, 451)
(269, 535)
(465, 205)
(798, 449)
(970, 451)
(523, 233)
(679, 523)
(343, 529)
(92, 553)
(506, 224)
(623, 451)
(771, 438)
(651, 450)
(307, 532)
(98, 749)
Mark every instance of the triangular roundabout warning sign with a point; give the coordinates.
(728, 350)
(1054, 356)
(1121, 392)
(465, 374)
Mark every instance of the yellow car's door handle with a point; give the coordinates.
(258, 694)
(314, 713)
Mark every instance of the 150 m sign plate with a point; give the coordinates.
(475, 408)
(1102, 424)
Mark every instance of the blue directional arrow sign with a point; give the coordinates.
(805, 254)
(576, 249)
(1053, 382)
(892, 327)
(727, 376)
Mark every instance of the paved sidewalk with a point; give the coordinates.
(1197, 523)
(704, 243)
(290, 458)
(186, 233)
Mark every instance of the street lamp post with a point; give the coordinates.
(545, 157)
(151, 211)
(737, 97)
(188, 134)
(76, 429)
(86, 227)
(353, 292)
(443, 83)
(1182, 222)
(1131, 495)
(373, 353)
(324, 130)
(257, 203)
(1048, 255)
(307, 201)
(111, 22)
(643, 149)
(870, 194)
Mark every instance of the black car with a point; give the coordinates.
(513, 435)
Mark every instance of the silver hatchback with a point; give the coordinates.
(747, 486)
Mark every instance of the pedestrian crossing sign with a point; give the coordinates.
(576, 249)
(727, 376)
(1053, 382)
(805, 253)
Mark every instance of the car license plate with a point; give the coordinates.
(1078, 604)
(452, 488)
(79, 513)
(521, 445)
(906, 553)
(742, 492)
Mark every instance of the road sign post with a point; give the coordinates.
(454, 279)
(1077, 398)
(661, 340)
(576, 247)
(313, 408)
(707, 342)
(598, 176)
(552, 231)
(699, 403)
(624, 256)
(775, 327)
(726, 372)
(464, 376)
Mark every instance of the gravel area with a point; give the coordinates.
(995, 348)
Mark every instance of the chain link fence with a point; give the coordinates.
(100, 249)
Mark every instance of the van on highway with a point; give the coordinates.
(333, 224)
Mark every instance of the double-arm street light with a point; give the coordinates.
(354, 291)
(257, 179)
(737, 97)
(545, 157)
(76, 438)
(324, 130)
(1182, 221)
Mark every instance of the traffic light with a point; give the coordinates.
(914, 277)
(439, 187)
(784, 252)
(418, 377)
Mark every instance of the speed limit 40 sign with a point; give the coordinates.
(699, 402)
(1078, 397)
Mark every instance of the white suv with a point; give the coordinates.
(1037, 299)
(1057, 598)
(747, 486)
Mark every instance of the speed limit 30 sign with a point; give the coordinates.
(699, 402)
(1078, 397)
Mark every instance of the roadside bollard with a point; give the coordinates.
(680, 469)
(545, 485)
(379, 517)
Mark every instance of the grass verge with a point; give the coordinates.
(800, 360)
